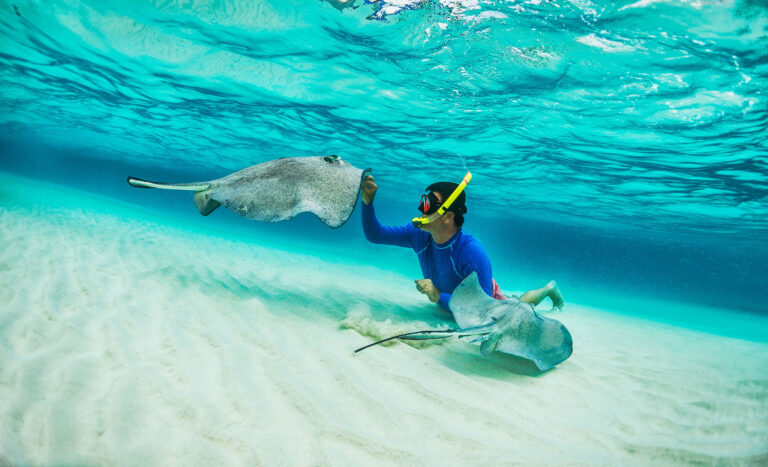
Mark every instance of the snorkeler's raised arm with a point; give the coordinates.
(388, 235)
(374, 231)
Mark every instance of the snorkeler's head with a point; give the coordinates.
(434, 196)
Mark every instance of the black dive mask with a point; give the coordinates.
(429, 203)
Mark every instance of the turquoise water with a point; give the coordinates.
(618, 147)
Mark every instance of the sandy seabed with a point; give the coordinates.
(130, 341)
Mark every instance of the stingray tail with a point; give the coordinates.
(205, 204)
(416, 335)
(139, 183)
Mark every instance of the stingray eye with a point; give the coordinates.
(331, 159)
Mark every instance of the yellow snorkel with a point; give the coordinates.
(419, 221)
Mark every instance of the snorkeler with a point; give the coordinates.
(446, 254)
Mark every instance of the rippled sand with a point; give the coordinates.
(126, 340)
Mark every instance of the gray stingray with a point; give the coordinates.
(509, 326)
(278, 190)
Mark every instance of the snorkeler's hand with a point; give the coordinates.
(368, 190)
(426, 287)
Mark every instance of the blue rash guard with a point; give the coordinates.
(446, 264)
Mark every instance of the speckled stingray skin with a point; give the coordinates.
(509, 326)
(278, 190)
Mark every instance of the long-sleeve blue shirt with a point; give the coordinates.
(447, 264)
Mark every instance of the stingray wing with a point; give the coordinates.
(517, 329)
(278, 190)
(471, 306)
(544, 341)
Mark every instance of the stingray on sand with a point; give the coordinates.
(509, 326)
(278, 190)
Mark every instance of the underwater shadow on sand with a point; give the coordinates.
(465, 358)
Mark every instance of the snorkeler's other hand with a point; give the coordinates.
(368, 190)
(426, 287)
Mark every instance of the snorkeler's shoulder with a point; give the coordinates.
(472, 248)
(470, 241)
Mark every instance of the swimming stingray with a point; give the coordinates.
(278, 190)
(509, 326)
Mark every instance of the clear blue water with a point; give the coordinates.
(619, 147)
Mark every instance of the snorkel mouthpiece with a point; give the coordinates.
(419, 221)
